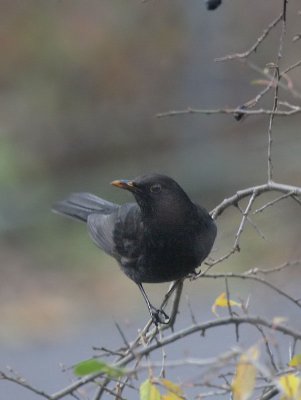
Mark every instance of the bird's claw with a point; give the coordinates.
(159, 316)
(194, 275)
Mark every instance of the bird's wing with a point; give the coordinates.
(128, 232)
(207, 232)
(101, 227)
(117, 233)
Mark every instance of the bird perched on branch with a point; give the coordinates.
(162, 237)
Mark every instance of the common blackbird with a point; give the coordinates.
(161, 238)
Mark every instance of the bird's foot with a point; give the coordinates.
(159, 316)
(194, 275)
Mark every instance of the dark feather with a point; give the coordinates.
(81, 205)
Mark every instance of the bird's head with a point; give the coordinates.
(158, 196)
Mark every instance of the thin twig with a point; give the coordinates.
(202, 327)
(254, 271)
(291, 67)
(254, 47)
(244, 219)
(257, 279)
(268, 348)
(271, 119)
(271, 203)
(259, 232)
(264, 72)
(234, 111)
(22, 382)
(241, 194)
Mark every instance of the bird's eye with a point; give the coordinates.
(156, 188)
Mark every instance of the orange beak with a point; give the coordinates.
(124, 184)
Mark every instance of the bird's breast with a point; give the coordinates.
(168, 257)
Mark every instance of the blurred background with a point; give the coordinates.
(81, 83)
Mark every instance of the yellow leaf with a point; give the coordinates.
(290, 385)
(252, 354)
(295, 361)
(174, 391)
(245, 377)
(171, 396)
(223, 301)
(148, 391)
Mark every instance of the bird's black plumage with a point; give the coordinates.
(161, 238)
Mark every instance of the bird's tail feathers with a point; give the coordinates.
(80, 205)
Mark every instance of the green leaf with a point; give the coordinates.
(93, 366)
(148, 391)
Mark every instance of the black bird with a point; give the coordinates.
(212, 4)
(161, 238)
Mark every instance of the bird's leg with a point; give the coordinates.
(177, 288)
(174, 285)
(158, 316)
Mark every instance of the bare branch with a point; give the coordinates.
(233, 111)
(254, 271)
(275, 107)
(244, 219)
(257, 279)
(254, 47)
(22, 382)
(271, 203)
(241, 194)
